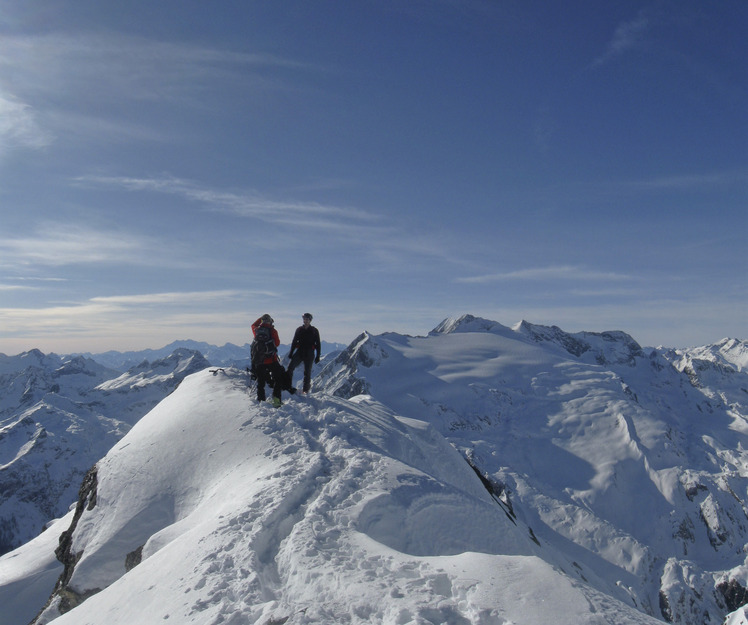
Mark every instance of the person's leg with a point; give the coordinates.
(292, 365)
(261, 376)
(308, 362)
(278, 374)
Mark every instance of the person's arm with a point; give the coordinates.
(294, 344)
(317, 345)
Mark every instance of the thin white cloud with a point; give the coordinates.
(627, 36)
(558, 272)
(57, 245)
(137, 317)
(391, 243)
(15, 287)
(246, 204)
(43, 79)
(178, 297)
(125, 66)
(19, 126)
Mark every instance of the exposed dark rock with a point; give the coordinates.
(134, 558)
(734, 594)
(665, 609)
(64, 551)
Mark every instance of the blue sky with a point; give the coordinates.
(174, 169)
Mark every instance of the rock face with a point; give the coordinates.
(58, 416)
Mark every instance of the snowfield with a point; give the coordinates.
(480, 475)
(326, 511)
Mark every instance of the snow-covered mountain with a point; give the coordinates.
(639, 468)
(58, 416)
(481, 474)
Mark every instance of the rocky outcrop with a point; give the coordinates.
(63, 597)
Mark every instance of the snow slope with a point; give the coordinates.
(326, 510)
(58, 416)
(635, 469)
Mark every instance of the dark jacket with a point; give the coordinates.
(306, 341)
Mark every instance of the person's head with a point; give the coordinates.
(267, 319)
(307, 318)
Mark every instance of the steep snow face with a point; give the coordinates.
(324, 511)
(592, 440)
(58, 417)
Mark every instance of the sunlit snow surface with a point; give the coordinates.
(325, 511)
(619, 481)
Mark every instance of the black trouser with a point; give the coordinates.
(271, 374)
(308, 360)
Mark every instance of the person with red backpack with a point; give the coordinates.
(266, 366)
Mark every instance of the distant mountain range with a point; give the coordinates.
(228, 355)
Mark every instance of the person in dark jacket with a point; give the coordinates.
(306, 348)
(269, 370)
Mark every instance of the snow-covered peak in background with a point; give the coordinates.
(730, 353)
(593, 347)
(468, 323)
(31, 358)
(167, 370)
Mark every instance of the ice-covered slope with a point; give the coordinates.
(325, 511)
(58, 416)
(638, 471)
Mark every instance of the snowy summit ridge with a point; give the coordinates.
(479, 475)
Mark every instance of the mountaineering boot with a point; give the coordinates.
(276, 402)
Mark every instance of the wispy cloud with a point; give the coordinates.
(559, 272)
(179, 297)
(15, 287)
(127, 66)
(246, 204)
(44, 78)
(390, 242)
(54, 245)
(57, 245)
(137, 318)
(627, 36)
(19, 126)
